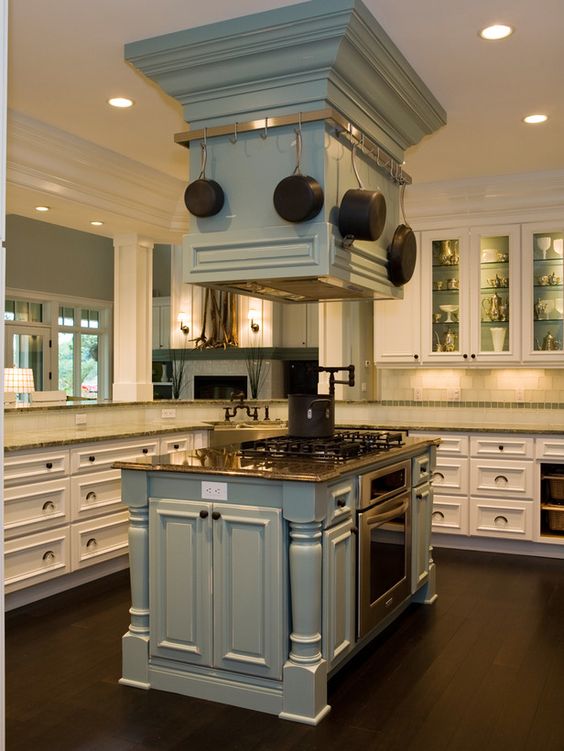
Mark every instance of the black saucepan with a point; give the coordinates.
(204, 197)
(402, 252)
(298, 198)
(362, 214)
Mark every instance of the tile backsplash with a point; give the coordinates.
(503, 387)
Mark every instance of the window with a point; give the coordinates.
(82, 350)
(22, 310)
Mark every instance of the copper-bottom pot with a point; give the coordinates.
(311, 415)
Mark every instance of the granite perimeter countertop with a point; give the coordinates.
(228, 460)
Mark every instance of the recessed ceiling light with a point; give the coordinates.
(96, 223)
(120, 101)
(42, 208)
(534, 119)
(496, 31)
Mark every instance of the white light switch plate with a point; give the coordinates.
(167, 413)
(80, 419)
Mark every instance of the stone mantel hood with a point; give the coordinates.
(312, 56)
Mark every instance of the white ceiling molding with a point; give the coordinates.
(98, 183)
(533, 196)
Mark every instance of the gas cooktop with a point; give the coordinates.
(344, 444)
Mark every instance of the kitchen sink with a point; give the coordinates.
(224, 433)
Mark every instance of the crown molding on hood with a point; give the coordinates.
(61, 167)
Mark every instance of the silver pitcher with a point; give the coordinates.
(491, 307)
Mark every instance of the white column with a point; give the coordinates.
(133, 288)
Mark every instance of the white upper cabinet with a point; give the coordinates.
(543, 293)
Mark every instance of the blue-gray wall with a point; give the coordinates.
(47, 258)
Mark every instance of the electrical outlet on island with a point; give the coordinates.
(214, 491)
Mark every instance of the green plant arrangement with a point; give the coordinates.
(256, 368)
(179, 359)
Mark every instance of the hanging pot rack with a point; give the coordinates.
(343, 128)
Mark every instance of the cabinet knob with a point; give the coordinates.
(503, 519)
(91, 458)
(204, 514)
(49, 556)
(465, 356)
(176, 446)
(341, 503)
(416, 357)
(438, 515)
(48, 506)
(216, 515)
(49, 465)
(424, 469)
(419, 496)
(354, 530)
(473, 356)
(145, 451)
(500, 447)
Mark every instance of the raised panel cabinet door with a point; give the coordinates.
(248, 584)
(180, 560)
(421, 508)
(338, 626)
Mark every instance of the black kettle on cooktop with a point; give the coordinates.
(313, 415)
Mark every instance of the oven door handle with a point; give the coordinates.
(386, 516)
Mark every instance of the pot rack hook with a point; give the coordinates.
(355, 170)
(203, 155)
(234, 138)
(298, 132)
(264, 135)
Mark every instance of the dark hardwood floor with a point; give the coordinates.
(482, 669)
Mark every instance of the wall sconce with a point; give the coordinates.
(183, 320)
(251, 315)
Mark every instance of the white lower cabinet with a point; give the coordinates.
(421, 508)
(506, 479)
(95, 493)
(450, 514)
(208, 561)
(35, 507)
(338, 627)
(36, 558)
(501, 518)
(99, 539)
(450, 475)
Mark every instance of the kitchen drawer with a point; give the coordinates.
(450, 476)
(421, 468)
(99, 539)
(342, 501)
(509, 479)
(95, 494)
(549, 448)
(180, 442)
(450, 515)
(507, 446)
(500, 518)
(32, 508)
(22, 467)
(102, 455)
(36, 558)
(451, 444)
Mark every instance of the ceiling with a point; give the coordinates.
(66, 60)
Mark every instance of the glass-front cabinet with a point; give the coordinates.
(470, 285)
(543, 292)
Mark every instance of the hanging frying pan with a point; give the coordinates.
(402, 252)
(362, 214)
(298, 198)
(204, 197)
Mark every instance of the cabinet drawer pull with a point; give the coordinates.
(145, 451)
(49, 465)
(465, 356)
(473, 356)
(48, 506)
(424, 469)
(49, 556)
(438, 476)
(91, 496)
(91, 458)
(501, 479)
(216, 515)
(438, 515)
(176, 446)
(416, 357)
(503, 519)
(341, 503)
(500, 447)
(354, 530)
(92, 543)
(204, 514)
(419, 496)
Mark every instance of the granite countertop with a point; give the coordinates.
(460, 427)
(18, 440)
(227, 460)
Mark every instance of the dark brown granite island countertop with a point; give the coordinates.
(228, 460)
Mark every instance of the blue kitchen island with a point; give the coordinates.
(249, 574)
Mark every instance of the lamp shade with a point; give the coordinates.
(18, 380)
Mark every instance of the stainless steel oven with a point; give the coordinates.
(384, 543)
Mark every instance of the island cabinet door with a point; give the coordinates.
(421, 508)
(248, 584)
(338, 628)
(181, 580)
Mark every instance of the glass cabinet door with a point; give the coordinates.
(495, 308)
(445, 295)
(547, 306)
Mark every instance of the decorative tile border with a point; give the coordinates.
(468, 404)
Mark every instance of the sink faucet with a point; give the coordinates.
(252, 412)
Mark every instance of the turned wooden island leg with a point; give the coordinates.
(305, 672)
